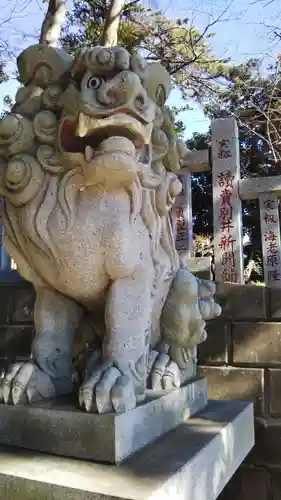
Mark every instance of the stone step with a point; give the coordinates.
(63, 429)
(193, 462)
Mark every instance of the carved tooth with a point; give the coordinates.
(83, 125)
(89, 153)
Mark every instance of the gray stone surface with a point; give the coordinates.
(193, 462)
(199, 266)
(63, 429)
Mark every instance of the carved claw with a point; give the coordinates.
(25, 383)
(164, 373)
(170, 366)
(107, 390)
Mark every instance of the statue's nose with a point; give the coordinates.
(124, 89)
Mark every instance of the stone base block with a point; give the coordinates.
(63, 429)
(192, 462)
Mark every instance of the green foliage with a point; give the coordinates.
(3, 74)
(254, 100)
(182, 49)
(84, 25)
(8, 104)
(179, 129)
(223, 88)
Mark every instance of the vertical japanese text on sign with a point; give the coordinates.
(272, 257)
(224, 151)
(227, 242)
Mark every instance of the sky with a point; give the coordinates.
(240, 34)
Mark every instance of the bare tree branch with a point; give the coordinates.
(266, 3)
(199, 39)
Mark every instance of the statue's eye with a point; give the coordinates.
(94, 82)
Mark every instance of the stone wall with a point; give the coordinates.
(16, 321)
(241, 359)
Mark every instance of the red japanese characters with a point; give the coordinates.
(227, 241)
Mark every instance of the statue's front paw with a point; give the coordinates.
(209, 309)
(107, 390)
(164, 374)
(25, 383)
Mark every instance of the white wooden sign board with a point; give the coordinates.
(182, 216)
(227, 212)
(270, 232)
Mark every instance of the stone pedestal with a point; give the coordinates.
(63, 429)
(193, 462)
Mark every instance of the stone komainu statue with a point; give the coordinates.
(87, 155)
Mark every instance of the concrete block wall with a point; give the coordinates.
(16, 321)
(242, 360)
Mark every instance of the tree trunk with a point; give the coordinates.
(109, 36)
(51, 27)
(248, 270)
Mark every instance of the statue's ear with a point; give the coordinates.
(157, 83)
(43, 65)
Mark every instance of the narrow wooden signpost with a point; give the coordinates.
(270, 232)
(183, 215)
(227, 212)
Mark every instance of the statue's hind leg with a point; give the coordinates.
(49, 371)
(120, 380)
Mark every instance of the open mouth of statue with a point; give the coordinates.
(86, 133)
